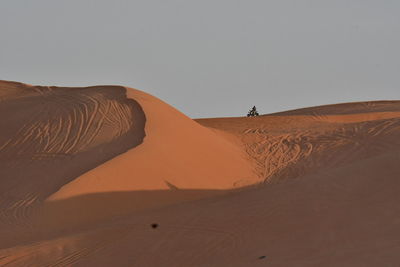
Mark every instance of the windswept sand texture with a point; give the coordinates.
(86, 172)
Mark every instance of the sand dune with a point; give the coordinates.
(50, 135)
(292, 144)
(86, 172)
(70, 142)
(176, 151)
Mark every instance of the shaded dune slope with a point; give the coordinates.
(51, 135)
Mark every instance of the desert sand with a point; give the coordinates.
(112, 176)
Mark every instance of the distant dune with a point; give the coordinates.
(112, 176)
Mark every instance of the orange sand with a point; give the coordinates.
(84, 172)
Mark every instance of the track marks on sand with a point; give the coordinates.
(294, 143)
(51, 135)
(292, 155)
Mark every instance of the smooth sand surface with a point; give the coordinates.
(111, 176)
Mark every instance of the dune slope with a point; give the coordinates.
(177, 151)
(79, 143)
(51, 135)
(294, 143)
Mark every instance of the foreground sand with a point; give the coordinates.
(85, 172)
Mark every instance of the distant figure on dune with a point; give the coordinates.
(253, 112)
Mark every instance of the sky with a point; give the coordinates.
(209, 58)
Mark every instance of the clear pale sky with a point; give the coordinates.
(209, 58)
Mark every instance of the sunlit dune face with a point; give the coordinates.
(51, 135)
